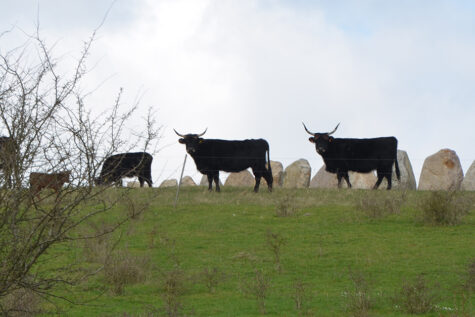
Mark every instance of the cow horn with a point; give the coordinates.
(330, 133)
(203, 132)
(307, 129)
(180, 135)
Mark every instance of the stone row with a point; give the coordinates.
(440, 171)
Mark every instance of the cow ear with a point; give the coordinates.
(330, 139)
(200, 140)
(182, 141)
(311, 140)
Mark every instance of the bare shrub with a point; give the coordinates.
(211, 277)
(470, 280)
(359, 299)
(46, 126)
(377, 204)
(275, 241)
(416, 297)
(444, 207)
(21, 302)
(121, 269)
(258, 287)
(286, 206)
(173, 287)
(301, 294)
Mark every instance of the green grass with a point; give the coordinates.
(326, 240)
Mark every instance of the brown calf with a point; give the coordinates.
(38, 181)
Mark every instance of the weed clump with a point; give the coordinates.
(416, 297)
(286, 206)
(359, 299)
(122, 268)
(376, 204)
(444, 208)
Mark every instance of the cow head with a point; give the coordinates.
(321, 140)
(192, 141)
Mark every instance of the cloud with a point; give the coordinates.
(248, 69)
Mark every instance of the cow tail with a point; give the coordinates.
(268, 159)
(398, 173)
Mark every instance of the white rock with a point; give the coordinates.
(441, 171)
(468, 182)
(297, 174)
(169, 183)
(241, 179)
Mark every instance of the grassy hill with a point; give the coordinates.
(291, 252)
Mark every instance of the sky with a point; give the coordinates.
(258, 68)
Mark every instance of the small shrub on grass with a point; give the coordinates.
(275, 241)
(300, 294)
(359, 299)
(211, 277)
(286, 206)
(21, 302)
(121, 269)
(470, 281)
(258, 287)
(173, 287)
(416, 297)
(444, 207)
(376, 204)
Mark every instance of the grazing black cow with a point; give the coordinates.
(214, 155)
(358, 155)
(117, 166)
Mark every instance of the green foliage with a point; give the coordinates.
(211, 256)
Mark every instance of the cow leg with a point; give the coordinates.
(258, 182)
(378, 182)
(141, 181)
(269, 179)
(389, 179)
(339, 176)
(216, 181)
(347, 179)
(210, 182)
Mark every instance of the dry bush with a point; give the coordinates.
(376, 204)
(211, 277)
(275, 241)
(122, 268)
(359, 299)
(286, 206)
(21, 302)
(174, 285)
(258, 287)
(445, 207)
(301, 294)
(416, 297)
(469, 284)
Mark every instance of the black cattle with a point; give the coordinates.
(117, 166)
(358, 155)
(214, 155)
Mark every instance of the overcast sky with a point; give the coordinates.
(257, 69)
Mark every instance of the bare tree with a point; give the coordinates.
(46, 126)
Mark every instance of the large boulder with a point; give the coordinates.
(468, 182)
(169, 183)
(133, 184)
(277, 174)
(204, 181)
(441, 171)
(324, 179)
(297, 174)
(241, 179)
(408, 181)
(187, 181)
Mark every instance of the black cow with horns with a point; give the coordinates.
(214, 155)
(358, 155)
